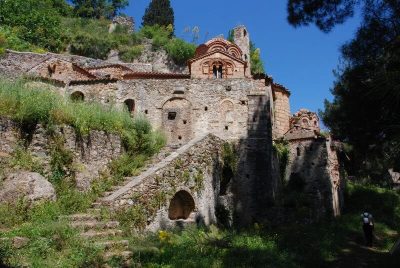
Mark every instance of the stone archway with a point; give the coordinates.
(77, 96)
(177, 120)
(181, 206)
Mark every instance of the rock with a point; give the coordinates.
(31, 185)
(20, 242)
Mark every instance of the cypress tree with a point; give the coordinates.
(159, 12)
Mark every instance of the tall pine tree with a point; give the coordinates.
(159, 12)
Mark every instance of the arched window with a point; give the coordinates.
(298, 151)
(130, 105)
(181, 205)
(217, 70)
(77, 96)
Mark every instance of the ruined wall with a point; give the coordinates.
(15, 64)
(313, 169)
(216, 106)
(254, 187)
(242, 39)
(193, 168)
(91, 153)
(282, 113)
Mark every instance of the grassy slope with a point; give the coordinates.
(53, 243)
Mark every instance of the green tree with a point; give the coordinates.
(257, 65)
(98, 8)
(325, 14)
(159, 12)
(62, 7)
(366, 106)
(36, 22)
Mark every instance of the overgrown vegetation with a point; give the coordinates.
(52, 243)
(365, 108)
(230, 157)
(53, 25)
(281, 148)
(257, 65)
(338, 242)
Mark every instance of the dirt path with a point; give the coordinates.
(355, 254)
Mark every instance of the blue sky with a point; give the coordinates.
(302, 58)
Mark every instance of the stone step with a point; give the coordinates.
(107, 193)
(116, 187)
(94, 211)
(80, 217)
(101, 234)
(113, 244)
(86, 225)
(125, 255)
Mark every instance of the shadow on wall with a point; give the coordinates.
(245, 197)
(308, 193)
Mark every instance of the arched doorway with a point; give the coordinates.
(130, 105)
(177, 121)
(181, 205)
(77, 96)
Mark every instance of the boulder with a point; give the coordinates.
(30, 185)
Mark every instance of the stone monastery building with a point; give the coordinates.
(218, 97)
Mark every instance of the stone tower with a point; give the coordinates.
(242, 39)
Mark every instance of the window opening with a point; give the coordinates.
(171, 115)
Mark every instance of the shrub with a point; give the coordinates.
(180, 51)
(128, 54)
(159, 34)
(89, 45)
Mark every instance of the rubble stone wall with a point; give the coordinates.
(91, 153)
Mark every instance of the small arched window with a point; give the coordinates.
(217, 70)
(77, 96)
(298, 151)
(130, 105)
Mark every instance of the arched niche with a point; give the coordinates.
(130, 105)
(77, 96)
(227, 113)
(181, 206)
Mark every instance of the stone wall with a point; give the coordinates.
(217, 106)
(313, 168)
(127, 22)
(16, 64)
(91, 153)
(193, 168)
(282, 113)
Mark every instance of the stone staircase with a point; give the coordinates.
(105, 235)
(160, 161)
(149, 167)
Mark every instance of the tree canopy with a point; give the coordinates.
(37, 22)
(365, 111)
(159, 12)
(98, 8)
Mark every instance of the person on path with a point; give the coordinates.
(368, 227)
